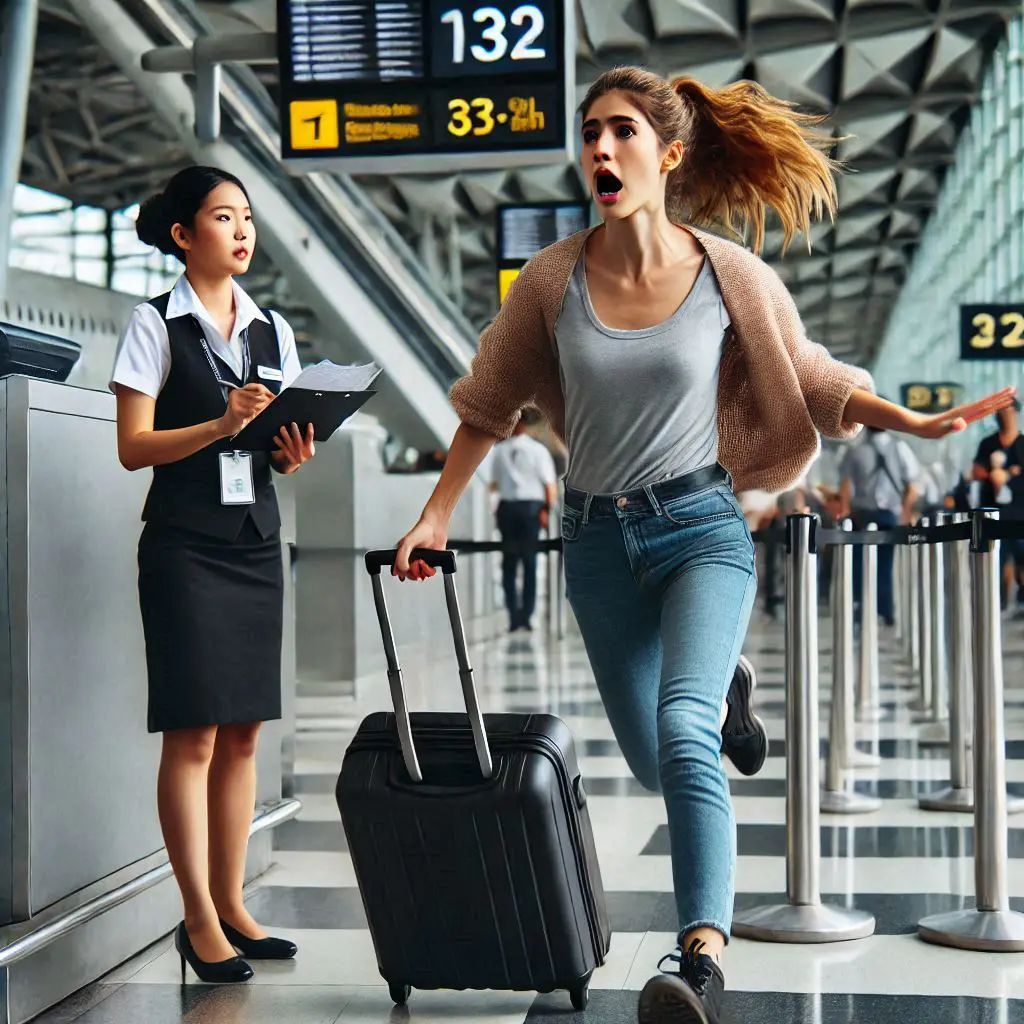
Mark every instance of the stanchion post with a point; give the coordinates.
(835, 799)
(923, 702)
(803, 918)
(913, 588)
(992, 927)
(899, 592)
(936, 731)
(960, 794)
(869, 704)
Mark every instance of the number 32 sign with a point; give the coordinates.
(992, 332)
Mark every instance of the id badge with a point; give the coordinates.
(236, 487)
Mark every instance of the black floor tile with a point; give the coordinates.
(619, 1007)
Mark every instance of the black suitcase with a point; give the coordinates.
(471, 839)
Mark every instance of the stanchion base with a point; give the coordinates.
(934, 734)
(948, 800)
(862, 759)
(990, 931)
(816, 923)
(843, 802)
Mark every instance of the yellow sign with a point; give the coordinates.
(985, 325)
(505, 279)
(919, 396)
(314, 124)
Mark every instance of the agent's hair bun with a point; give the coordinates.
(153, 225)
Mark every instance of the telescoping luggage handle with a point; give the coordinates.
(445, 561)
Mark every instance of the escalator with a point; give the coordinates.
(338, 252)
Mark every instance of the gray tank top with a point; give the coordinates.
(640, 406)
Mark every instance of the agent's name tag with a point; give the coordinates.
(236, 487)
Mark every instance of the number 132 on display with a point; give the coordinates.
(488, 38)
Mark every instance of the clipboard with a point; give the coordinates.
(326, 410)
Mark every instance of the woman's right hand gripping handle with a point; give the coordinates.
(469, 448)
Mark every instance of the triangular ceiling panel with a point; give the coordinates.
(931, 133)
(872, 136)
(719, 18)
(543, 184)
(868, 187)
(486, 191)
(844, 263)
(892, 259)
(850, 287)
(715, 74)
(955, 63)
(778, 10)
(812, 268)
(918, 184)
(904, 224)
(860, 227)
(873, 65)
(810, 297)
(432, 196)
(607, 27)
(803, 75)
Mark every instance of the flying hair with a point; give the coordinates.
(744, 151)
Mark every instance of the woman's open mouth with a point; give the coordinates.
(607, 186)
(241, 253)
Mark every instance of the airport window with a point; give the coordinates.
(51, 236)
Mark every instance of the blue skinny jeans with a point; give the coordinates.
(662, 581)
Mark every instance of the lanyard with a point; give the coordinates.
(213, 366)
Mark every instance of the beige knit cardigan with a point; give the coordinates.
(776, 389)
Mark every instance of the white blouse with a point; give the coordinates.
(143, 357)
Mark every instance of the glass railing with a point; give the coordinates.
(342, 215)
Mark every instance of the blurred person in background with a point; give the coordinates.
(879, 485)
(997, 469)
(527, 487)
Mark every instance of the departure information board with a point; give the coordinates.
(526, 228)
(377, 86)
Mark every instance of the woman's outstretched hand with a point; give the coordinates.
(425, 534)
(941, 424)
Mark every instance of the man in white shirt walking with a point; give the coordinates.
(525, 479)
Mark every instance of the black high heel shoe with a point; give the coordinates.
(222, 972)
(259, 949)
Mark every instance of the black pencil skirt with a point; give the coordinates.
(212, 616)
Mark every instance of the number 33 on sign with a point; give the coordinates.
(477, 116)
(992, 332)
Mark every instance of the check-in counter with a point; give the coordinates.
(78, 818)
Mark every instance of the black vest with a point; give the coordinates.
(186, 494)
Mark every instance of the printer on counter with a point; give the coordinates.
(30, 353)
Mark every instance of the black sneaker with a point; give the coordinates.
(744, 740)
(693, 995)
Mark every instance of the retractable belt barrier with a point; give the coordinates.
(969, 546)
(991, 530)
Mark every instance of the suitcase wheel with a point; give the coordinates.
(579, 995)
(400, 993)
